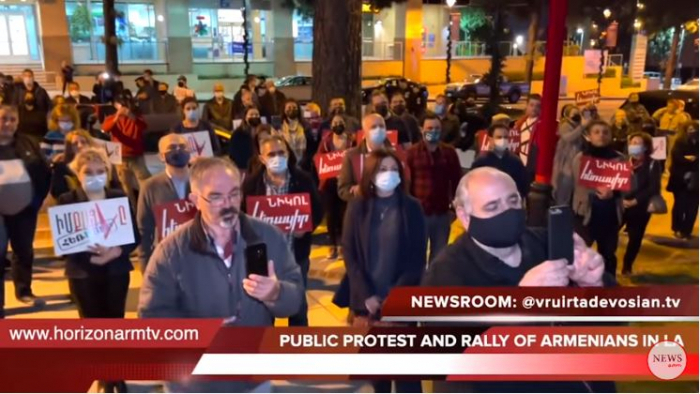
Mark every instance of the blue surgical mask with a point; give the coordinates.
(439, 109)
(95, 183)
(432, 137)
(377, 135)
(635, 150)
(192, 116)
(177, 158)
(387, 181)
(277, 164)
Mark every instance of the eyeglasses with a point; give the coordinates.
(218, 200)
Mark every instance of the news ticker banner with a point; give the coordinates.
(542, 304)
(67, 355)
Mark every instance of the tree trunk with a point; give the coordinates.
(337, 53)
(532, 40)
(110, 37)
(246, 40)
(672, 60)
(496, 62)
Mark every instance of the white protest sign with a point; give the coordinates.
(74, 227)
(237, 123)
(466, 157)
(112, 149)
(13, 171)
(660, 148)
(199, 143)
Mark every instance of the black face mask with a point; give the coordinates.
(382, 110)
(29, 102)
(338, 129)
(399, 109)
(597, 151)
(181, 84)
(254, 122)
(500, 231)
(293, 115)
(163, 93)
(576, 118)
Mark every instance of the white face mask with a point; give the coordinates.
(95, 183)
(500, 145)
(377, 135)
(65, 126)
(387, 181)
(277, 164)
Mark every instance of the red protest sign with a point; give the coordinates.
(289, 212)
(171, 215)
(482, 138)
(328, 165)
(595, 173)
(391, 135)
(585, 97)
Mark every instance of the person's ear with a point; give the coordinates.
(161, 156)
(194, 200)
(463, 217)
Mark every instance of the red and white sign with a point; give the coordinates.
(289, 212)
(391, 135)
(586, 97)
(171, 215)
(74, 227)
(328, 165)
(113, 150)
(614, 174)
(199, 143)
(513, 140)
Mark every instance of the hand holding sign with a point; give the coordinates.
(102, 254)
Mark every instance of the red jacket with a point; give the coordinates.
(127, 131)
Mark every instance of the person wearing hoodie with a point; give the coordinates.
(570, 143)
(42, 101)
(598, 211)
(191, 123)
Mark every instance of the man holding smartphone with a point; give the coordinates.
(499, 250)
(200, 270)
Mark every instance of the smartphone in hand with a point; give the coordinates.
(256, 259)
(560, 230)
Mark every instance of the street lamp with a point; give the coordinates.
(592, 43)
(451, 3)
(579, 31)
(637, 24)
(519, 40)
(607, 13)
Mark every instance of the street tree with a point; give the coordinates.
(110, 38)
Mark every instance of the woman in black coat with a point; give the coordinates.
(646, 184)
(384, 244)
(241, 146)
(683, 182)
(98, 279)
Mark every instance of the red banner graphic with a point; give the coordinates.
(586, 97)
(391, 135)
(171, 215)
(328, 165)
(289, 212)
(613, 174)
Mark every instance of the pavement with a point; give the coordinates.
(663, 260)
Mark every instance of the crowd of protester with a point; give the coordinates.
(388, 213)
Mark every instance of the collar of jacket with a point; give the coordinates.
(199, 241)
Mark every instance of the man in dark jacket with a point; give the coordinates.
(398, 108)
(450, 123)
(25, 183)
(219, 110)
(41, 99)
(498, 250)
(272, 102)
(277, 177)
(165, 103)
(500, 157)
(32, 119)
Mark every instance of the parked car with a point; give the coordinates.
(475, 87)
(653, 100)
(390, 85)
(297, 87)
(691, 85)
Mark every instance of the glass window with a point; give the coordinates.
(134, 22)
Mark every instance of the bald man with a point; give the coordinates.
(498, 250)
(350, 175)
(169, 186)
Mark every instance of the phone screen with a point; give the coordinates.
(560, 229)
(256, 259)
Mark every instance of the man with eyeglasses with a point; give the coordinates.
(171, 185)
(200, 270)
(279, 175)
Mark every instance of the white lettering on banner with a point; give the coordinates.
(292, 201)
(169, 224)
(616, 182)
(324, 168)
(293, 221)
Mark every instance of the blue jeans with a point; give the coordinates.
(301, 318)
(438, 227)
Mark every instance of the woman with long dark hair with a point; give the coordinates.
(683, 182)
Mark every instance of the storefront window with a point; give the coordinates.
(303, 33)
(19, 41)
(217, 34)
(135, 28)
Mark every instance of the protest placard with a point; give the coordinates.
(614, 174)
(199, 143)
(328, 165)
(660, 151)
(171, 215)
(113, 150)
(74, 227)
(289, 212)
(585, 97)
(513, 140)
